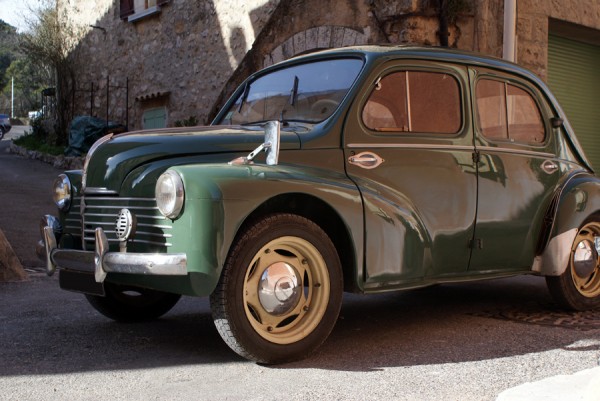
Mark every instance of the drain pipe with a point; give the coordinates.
(443, 20)
(510, 30)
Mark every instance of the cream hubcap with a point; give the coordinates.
(585, 261)
(286, 290)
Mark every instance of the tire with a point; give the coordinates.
(280, 291)
(578, 288)
(1, 133)
(131, 304)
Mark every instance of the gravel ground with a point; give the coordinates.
(430, 344)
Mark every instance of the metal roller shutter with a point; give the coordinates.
(574, 78)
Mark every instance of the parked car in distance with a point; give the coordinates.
(34, 114)
(5, 125)
(362, 169)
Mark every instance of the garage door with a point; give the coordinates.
(574, 77)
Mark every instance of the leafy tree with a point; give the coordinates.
(29, 80)
(9, 49)
(51, 41)
(9, 52)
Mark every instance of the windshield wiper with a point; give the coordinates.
(294, 91)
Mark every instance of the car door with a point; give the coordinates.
(409, 149)
(518, 170)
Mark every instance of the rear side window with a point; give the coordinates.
(507, 112)
(414, 101)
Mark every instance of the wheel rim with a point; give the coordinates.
(286, 290)
(585, 262)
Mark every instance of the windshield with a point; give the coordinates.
(306, 93)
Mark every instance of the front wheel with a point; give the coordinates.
(578, 287)
(132, 304)
(280, 291)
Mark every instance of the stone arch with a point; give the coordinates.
(322, 37)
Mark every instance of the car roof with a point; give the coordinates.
(433, 53)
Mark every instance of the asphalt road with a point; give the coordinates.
(449, 342)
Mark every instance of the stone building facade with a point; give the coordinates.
(159, 62)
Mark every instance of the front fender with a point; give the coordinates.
(578, 200)
(219, 198)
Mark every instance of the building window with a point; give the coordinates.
(132, 10)
(414, 101)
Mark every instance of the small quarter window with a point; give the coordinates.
(414, 101)
(508, 112)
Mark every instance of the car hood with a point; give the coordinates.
(110, 163)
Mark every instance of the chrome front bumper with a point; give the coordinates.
(100, 261)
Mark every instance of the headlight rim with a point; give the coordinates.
(179, 195)
(64, 203)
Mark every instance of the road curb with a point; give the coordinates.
(59, 162)
(10, 266)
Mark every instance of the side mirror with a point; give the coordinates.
(556, 122)
(270, 146)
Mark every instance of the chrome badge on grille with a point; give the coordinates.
(125, 225)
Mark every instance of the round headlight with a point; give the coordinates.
(62, 192)
(169, 194)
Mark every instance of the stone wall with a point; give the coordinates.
(191, 55)
(178, 58)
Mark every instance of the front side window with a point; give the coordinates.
(414, 101)
(507, 112)
(308, 93)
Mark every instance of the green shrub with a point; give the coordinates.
(31, 141)
(190, 122)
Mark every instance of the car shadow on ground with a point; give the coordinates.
(452, 324)
(58, 332)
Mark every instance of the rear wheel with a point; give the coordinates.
(132, 304)
(280, 291)
(578, 287)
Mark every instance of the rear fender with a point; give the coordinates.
(577, 200)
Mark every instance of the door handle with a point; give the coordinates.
(549, 166)
(367, 160)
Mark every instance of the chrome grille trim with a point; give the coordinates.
(124, 199)
(90, 230)
(156, 226)
(102, 211)
(72, 223)
(137, 241)
(88, 206)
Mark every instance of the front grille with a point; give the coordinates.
(152, 228)
(72, 224)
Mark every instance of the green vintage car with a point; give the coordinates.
(362, 169)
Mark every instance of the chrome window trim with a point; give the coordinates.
(534, 153)
(489, 149)
(411, 146)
